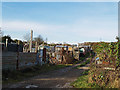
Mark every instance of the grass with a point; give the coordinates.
(82, 82)
(85, 72)
(84, 63)
(19, 75)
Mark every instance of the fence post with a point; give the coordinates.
(17, 63)
(78, 53)
(44, 54)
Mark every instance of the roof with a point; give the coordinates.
(44, 46)
(58, 46)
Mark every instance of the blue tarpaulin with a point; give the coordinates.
(97, 58)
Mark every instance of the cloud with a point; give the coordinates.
(25, 26)
(16, 29)
(81, 30)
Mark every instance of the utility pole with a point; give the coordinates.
(46, 40)
(31, 40)
(6, 42)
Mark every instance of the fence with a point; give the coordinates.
(26, 59)
(9, 60)
(19, 60)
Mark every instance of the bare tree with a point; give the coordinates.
(27, 37)
(39, 39)
(46, 40)
(1, 34)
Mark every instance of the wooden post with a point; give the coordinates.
(78, 53)
(17, 63)
(90, 57)
(18, 42)
(119, 50)
(6, 42)
(36, 47)
(44, 54)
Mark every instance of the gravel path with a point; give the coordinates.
(60, 78)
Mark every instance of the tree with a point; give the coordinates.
(39, 39)
(1, 34)
(7, 37)
(27, 37)
(16, 41)
(10, 39)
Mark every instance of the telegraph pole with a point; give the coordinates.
(31, 40)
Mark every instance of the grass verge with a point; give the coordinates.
(82, 82)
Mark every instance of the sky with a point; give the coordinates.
(70, 22)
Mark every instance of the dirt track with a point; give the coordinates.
(53, 79)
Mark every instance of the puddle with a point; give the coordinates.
(31, 86)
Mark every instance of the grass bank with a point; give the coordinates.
(9, 76)
(82, 82)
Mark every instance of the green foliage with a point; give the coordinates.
(16, 41)
(82, 82)
(107, 51)
(10, 39)
(7, 37)
(85, 72)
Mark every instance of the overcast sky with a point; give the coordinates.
(70, 22)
